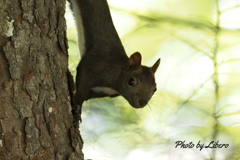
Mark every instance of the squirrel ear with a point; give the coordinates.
(135, 60)
(155, 66)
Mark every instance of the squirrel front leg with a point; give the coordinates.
(81, 94)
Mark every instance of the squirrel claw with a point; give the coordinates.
(77, 115)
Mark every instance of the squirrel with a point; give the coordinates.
(105, 70)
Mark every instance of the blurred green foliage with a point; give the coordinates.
(198, 97)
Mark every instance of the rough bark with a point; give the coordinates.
(36, 121)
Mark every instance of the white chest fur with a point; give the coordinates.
(106, 90)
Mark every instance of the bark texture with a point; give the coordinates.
(36, 121)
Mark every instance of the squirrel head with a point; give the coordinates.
(137, 82)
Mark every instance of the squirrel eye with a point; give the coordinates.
(131, 82)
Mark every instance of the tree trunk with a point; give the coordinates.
(36, 120)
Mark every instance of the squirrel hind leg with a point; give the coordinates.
(98, 92)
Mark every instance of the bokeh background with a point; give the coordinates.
(198, 81)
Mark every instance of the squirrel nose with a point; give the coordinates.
(142, 102)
